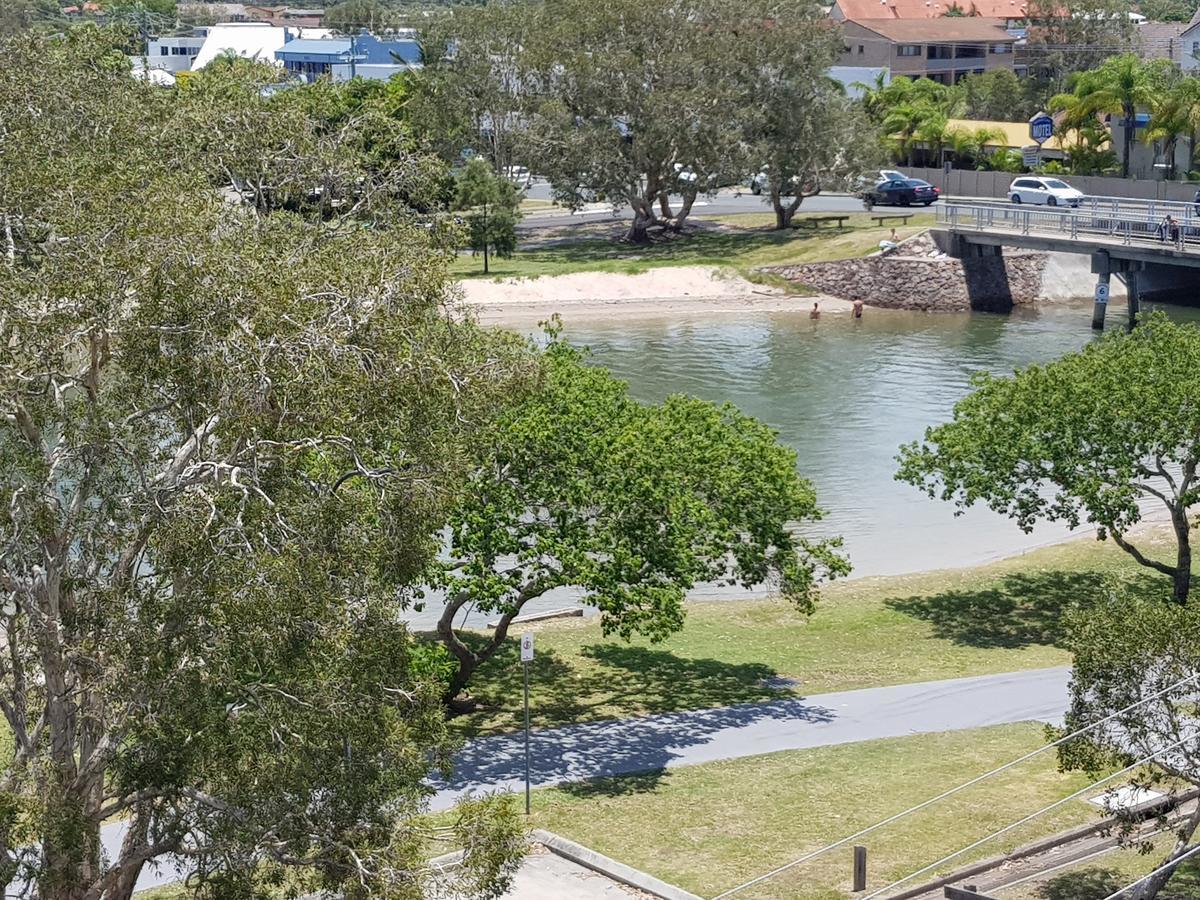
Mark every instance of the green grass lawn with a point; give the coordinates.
(1001, 617)
(710, 827)
(746, 242)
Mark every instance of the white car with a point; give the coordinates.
(1044, 191)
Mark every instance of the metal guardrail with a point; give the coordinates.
(1130, 225)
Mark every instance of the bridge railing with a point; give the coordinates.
(1127, 225)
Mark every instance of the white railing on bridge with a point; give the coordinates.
(1128, 224)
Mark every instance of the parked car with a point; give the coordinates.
(1044, 191)
(901, 192)
(519, 175)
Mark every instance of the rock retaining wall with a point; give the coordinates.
(917, 276)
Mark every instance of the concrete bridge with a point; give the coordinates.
(1124, 237)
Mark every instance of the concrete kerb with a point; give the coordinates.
(589, 859)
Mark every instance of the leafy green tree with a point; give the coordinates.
(640, 102)
(1084, 438)
(913, 111)
(998, 96)
(1174, 113)
(971, 146)
(804, 133)
(322, 150)
(580, 486)
(226, 439)
(1131, 654)
(1068, 37)
(1119, 86)
(1167, 10)
(17, 16)
(469, 96)
(354, 16)
(492, 203)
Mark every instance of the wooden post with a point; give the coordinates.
(860, 868)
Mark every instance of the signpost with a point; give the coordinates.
(526, 659)
(1041, 129)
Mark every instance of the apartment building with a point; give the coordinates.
(945, 49)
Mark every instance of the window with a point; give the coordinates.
(909, 50)
(164, 51)
(860, 49)
(1002, 48)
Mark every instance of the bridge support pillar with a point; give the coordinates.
(1103, 269)
(1135, 299)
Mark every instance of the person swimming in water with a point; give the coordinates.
(858, 309)
(815, 312)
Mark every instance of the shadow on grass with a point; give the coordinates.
(627, 680)
(1019, 610)
(1097, 884)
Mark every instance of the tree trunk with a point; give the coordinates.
(643, 218)
(689, 198)
(485, 257)
(469, 660)
(1169, 153)
(1127, 140)
(1150, 888)
(784, 212)
(1183, 558)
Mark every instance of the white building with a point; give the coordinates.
(175, 54)
(856, 79)
(250, 40)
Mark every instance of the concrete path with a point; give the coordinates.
(659, 742)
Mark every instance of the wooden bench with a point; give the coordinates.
(903, 217)
(816, 221)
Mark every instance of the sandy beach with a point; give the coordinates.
(658, 292)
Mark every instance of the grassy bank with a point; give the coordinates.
(741, 242)
(708, 828)
(1000, 617)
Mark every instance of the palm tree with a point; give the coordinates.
(971, 145)
(899, 128)
(932, 133)
(1118, 87)
(1175, 112)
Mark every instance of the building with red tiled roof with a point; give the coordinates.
(944, 49)
(860, 10)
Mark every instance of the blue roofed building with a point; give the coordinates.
(342, 58)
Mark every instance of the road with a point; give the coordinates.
(653, 743)
(728, 201)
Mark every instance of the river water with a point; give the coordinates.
(846, 394)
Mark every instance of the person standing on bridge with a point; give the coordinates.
(1168, 229)
(1196, 202)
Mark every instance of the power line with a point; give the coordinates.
(1172, 864)
(951, 792)
(1029, 818)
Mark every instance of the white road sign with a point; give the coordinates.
(527, 647)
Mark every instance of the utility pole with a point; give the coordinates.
(526, 659)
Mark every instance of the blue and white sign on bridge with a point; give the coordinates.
(1041, 128)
